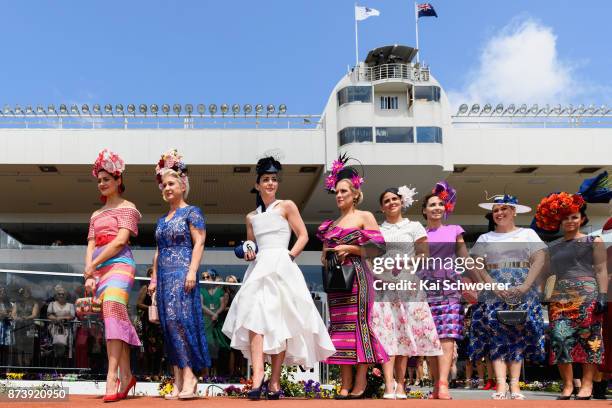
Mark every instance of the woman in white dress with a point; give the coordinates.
(402, 320)
(273, 312)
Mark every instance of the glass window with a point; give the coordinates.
(389, 102)
(394, 135)
(429, 134)
(355, 135)
(429, 93)
(355, 94)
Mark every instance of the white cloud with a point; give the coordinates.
(519, 65)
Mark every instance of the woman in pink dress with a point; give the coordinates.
(353, 237)
(110, 269)
(445, 243)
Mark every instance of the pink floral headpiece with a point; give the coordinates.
(109, 162)
(171, 160)
(340, 171)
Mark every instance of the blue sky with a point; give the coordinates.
(292, 52)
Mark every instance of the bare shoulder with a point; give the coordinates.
(288, 205)
(366, 215)
(128, 204)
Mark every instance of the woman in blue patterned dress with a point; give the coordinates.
(180, 236)
(513, 256)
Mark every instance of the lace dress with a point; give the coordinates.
(180, 312)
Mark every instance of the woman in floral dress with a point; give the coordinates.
(402, 320)
(579, 297)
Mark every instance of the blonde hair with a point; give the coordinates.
(184, 181)
(354, 190)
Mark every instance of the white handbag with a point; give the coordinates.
(153, 313)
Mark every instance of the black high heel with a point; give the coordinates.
(255, 393)
(273, 395)
(357, 396)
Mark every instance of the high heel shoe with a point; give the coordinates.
(255, 393)
(131, 385)
(273, 395)
(186, 395)
(112, 397)
(443, 396)
(361, 395)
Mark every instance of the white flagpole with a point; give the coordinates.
(416, 25)
(356, 38)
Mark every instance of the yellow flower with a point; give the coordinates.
(595, 344)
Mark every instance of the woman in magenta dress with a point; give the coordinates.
(110, 269)
(445, 242)
(353, 234)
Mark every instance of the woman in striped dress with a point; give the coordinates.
(110, 270)
(354, 236)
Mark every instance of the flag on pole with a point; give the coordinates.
(361, 13)
(426, 10)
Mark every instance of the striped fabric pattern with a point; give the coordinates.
(115, 276)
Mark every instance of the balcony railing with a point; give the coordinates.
(392, 71)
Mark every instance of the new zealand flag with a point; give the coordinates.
(426, 10)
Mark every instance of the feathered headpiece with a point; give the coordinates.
(341, 171)
(268, 165)
(171, 160)
(407, 194)
(447, 194)
(596, 189)
(554, 207)
(109, 162)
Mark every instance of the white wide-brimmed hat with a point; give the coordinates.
(505, 199)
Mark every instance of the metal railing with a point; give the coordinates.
(140, 121)
(392, 71)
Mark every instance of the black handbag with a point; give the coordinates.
(337, 277)
(512, 317)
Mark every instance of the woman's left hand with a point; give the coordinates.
(342, 251)
(518, 291)
(190, 282)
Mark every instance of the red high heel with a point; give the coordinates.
(112, 397)
(131, 384)
(443, 396)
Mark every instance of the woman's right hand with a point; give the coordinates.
(249, 255)
(90, 284)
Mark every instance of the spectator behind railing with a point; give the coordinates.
(59, 312)
(26, 310)
(152, 357)
(7, 310)
(214, 301)
(236, 363)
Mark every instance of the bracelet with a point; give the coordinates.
(154, 280)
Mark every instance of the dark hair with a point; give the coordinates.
(392, 190)
(424, 205)
(267, 165)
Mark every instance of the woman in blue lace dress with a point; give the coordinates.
(180, 238)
